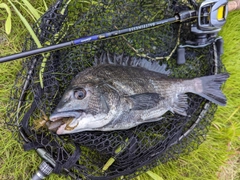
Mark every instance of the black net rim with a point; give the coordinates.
(71, 150)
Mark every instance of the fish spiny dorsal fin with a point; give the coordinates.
(124, 60)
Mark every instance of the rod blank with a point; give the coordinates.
(87, 39)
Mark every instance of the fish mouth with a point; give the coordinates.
(62, 120)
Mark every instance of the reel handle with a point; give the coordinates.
(233, 5)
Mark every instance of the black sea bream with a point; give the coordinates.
(121, 92)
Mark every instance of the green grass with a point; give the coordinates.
(217, 158)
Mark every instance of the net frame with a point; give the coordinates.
(85, 154)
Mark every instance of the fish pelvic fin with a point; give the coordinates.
(181, 104)
(210, 88)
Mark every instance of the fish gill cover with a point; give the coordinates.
(136, 150)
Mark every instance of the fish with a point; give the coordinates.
(120, 92)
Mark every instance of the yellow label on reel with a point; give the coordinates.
(221, 13)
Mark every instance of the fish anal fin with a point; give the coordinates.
(181, 104)
(144, 101)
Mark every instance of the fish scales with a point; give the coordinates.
(120, 92)
(128, 79)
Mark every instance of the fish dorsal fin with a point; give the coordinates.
(124, 60)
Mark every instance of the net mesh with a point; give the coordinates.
(135, 150)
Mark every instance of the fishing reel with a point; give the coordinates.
(212, 16)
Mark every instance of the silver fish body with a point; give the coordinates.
(120, 92)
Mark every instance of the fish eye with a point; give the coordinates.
(80, 93)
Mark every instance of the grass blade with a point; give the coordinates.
(33, 11)
(27, 10)
(27, 25)
(30, 30)
(154, 175)
(8, 23)
(45, 5)
(44, 61)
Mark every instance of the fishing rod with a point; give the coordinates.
(92, 38)
(214, 10)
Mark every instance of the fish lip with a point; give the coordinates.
(58, 119)
(55, 116)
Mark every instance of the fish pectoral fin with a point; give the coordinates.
(144, 101)
(181, 104)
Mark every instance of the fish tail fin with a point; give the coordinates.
(210, 88)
